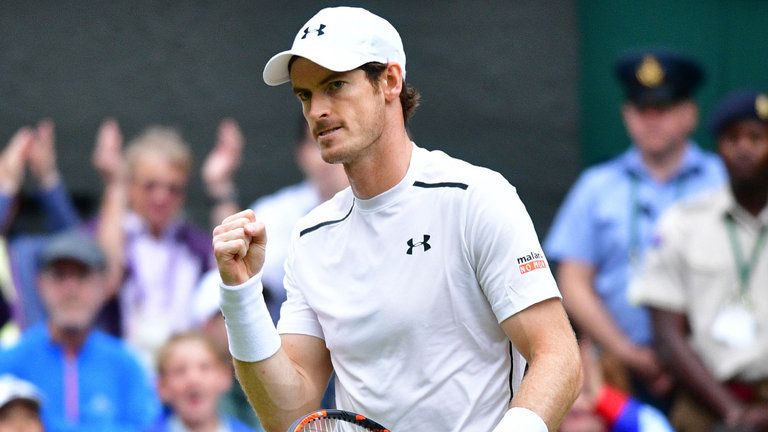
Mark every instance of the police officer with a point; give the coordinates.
(605, 223)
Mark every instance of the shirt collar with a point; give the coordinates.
(733, 209)
(693, 161)
(391, 196)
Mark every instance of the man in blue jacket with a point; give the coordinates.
(90, 381)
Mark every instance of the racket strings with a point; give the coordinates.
(333, 425)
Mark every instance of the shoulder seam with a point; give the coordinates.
(421, 184)
(322, 224)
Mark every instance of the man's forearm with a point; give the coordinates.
(551, 385)
(270, 369)
(277, 391)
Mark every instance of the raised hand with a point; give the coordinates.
(42, 155)
(239, 244)
(107, 155)
(223, 160)
(12, 160)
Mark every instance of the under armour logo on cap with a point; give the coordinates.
(318, 30)
(423, 243)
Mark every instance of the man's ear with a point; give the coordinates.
(392, 81)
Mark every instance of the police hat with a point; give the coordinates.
(737, 106)
(658, 78)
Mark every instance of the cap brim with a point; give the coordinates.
(276, 71)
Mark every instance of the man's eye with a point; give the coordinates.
(335, 85)
(303, 96)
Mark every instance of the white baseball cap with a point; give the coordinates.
(340, 39)
(12, 389)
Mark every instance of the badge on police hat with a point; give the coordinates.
(761, 106)
(650, 73)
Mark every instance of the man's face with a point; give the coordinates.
(743, 147)
(660, 131)
(345, 112)
(192, 380)
(73, 294)
(157, 190)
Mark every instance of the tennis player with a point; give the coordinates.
(411, 283)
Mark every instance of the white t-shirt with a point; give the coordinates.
(408, 289)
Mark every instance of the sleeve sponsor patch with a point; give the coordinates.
(530, 262)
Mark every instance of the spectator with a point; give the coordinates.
(193, 374)
(32, 148)
(19, 406)
(602, 408)
(219, 169)
(603, 227)
(156, 257)
(90, 381)
(705, 281)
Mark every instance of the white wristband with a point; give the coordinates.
(519, 419)
(251, 333)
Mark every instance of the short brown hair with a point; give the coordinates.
(409, 96)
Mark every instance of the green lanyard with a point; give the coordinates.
(744, 267)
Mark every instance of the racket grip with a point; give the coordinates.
(521, 419)
(252, 335)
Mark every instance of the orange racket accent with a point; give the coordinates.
(328, 419)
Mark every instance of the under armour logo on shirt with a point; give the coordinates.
(424, 243)
(318, 30)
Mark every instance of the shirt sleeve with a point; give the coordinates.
(6, 203)
(59, 209)
(296, 316)
(505, 251)
(659, 282)
(572, 235)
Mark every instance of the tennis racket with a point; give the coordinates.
(331, 420)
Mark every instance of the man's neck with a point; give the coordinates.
(752, 197)
(71, 340)
(664, 165)
(382, 168)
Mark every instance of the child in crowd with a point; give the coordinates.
(192, 376)
(19, 405)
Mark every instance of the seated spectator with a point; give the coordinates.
(19, 406)
(705, 282)
(155, 256)
(601, 407)
(89, 380)
(32, 148)
(192, 376)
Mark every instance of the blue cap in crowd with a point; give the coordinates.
(737, 106)
(658, 77)
(75, 245)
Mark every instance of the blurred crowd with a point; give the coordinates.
(111, 322)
